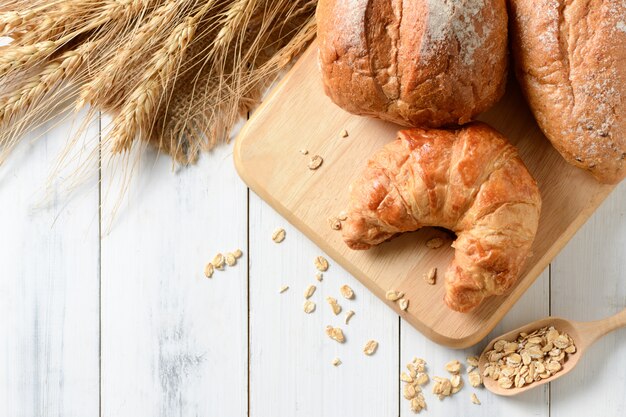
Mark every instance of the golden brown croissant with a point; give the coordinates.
(470, 181)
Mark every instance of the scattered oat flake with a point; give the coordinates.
(238, 253)
(321, 264)
(475, 379)
(332, 302)
(335, 333)
(208, 270)
(309, 306)
(442, 387)
(454, 367)
(315, 162)
(347, 292)
(419, 364)
(283, 289)
(403, 303)
(334, 223)
(304, 151)
(309, 291)
(409, 391)
(418, 403)
(218, 261)
(431, 276)
(475, 399)
(343, 216)
(279, 235)
(393, 295)
(434, 243)
(370, 347)
(349, 315)
(457, 383)
(405, 377)
(422, 378)
(319, 276)
(472, 361)
(344, 133)
(336, 362)
(231, 260)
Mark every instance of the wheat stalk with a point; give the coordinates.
(177, 74)
(40, 84)
(142, 104)
(99, 89)
(236, 16)
(25, 56)
(10, 21)
(202, 116)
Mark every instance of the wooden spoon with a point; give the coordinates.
(584, 334)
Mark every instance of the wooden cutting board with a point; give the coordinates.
(297, 115)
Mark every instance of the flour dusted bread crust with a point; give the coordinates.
(471, 181)
(571, 63)
(416, 63)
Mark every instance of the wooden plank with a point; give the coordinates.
(49, 289)
(298, 115)
(589, 283)
(173, 341)
(533, 305)
(290, 356)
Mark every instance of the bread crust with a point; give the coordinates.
(571, 63)
(469, 180)
(416, 63)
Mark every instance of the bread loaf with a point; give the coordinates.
(571, 63)
(469, 180)
(416, 63)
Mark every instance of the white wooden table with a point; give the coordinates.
(106, 312)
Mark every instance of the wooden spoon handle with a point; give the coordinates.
(594, 330)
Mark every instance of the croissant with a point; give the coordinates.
(469, 180)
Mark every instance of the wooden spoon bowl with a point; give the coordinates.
(584, 334)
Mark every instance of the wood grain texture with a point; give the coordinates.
(298, 115)
(533, 305)
(589, 283)
(174, 343)
(290, 355)
(49, 287)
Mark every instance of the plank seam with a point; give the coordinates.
(248, 285)
(248, 288)
(399, 366)
(549, 388)
(100, 264)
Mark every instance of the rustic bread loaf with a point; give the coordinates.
(417, 63)
(571, 63)
(469, 180)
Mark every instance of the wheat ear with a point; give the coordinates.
(201, 118)
(25, 56)
(40, 84)
(9, 21)
(236, 16)
(98, 89)
(139, 110)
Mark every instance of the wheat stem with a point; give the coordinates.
(40, 84)
(25, 56)
(10, 21)
(98, 90)
(140, 108)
